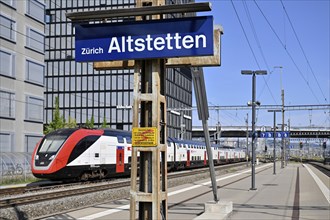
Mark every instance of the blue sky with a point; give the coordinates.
(305, 76)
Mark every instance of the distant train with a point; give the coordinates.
(83, 154)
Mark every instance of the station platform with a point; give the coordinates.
(298, 191)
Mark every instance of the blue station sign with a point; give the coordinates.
(144, 39)
(278, 134)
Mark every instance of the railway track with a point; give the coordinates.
(323, 168)
(42, 186)
(43, 194)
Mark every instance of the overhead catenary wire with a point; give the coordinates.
(255, 33)
(303, 51)
(261, 51)
(245, 35)
(252, 51)
(288, 53)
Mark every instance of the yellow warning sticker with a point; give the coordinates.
(144, 137)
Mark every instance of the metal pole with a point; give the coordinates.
(274, 143)
(289, 151)
(253, 161)
(181, 126)
(210, 160)
(283, 145)
(203, 114)
(247, 139)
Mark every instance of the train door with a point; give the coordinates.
(120, 159)
(204, 157)
(103, 152)
(94, 155)
(188, 158)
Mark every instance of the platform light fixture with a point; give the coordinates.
(253, 161)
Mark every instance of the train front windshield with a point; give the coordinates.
(52, 143)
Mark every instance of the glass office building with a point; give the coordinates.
(104, 95)
(22, 71)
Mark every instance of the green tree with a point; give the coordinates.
(58, 120)
(71, 123)
(104, 123)
(90, 123)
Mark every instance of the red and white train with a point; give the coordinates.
(83, 154)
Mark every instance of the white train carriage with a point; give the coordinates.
(99, 153)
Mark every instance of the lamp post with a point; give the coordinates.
(253, 161)
(274, 134)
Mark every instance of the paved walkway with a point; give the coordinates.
(295, 192)
(292, 193)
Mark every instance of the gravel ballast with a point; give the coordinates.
(52, 207)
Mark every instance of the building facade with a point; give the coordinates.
(22, 71)
(104, 95)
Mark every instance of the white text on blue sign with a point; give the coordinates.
(142, 40)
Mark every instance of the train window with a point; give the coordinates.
(120, 139)
(52, 143)
(129, 140)
(83, 145)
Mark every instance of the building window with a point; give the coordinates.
(7, 107)
(34, 109)
(34, 72)
(6, 142)
(9, 60)
(35, 40)
(36, 10)
(31, 142)
(11, 3)
(7, 28)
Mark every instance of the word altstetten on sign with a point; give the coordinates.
(144, 39)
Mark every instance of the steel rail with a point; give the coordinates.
(29, 199)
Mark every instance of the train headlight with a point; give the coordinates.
(36, 157)
(52, 157)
